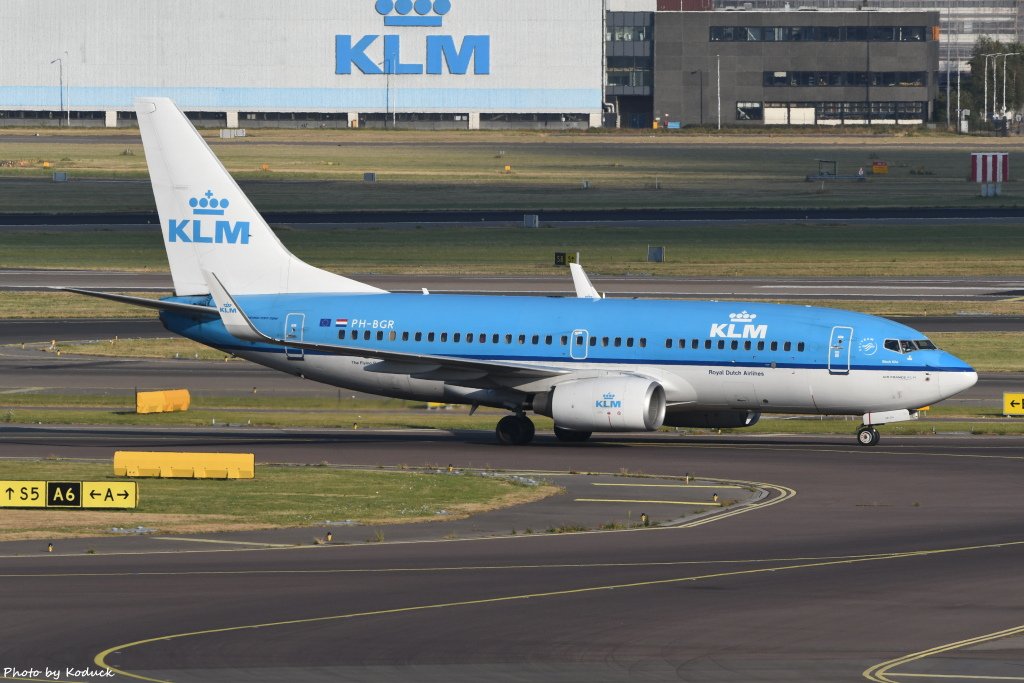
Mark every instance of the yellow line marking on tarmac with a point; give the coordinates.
(100, 659)
(881, 673)
(214, 540)
(674, 486)
(652, 502)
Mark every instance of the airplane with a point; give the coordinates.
(591, 363)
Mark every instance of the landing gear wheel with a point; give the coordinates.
(515, 430)
(868, 436)
(571, 435)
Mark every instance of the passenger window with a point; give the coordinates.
(643, 342)
(693, 344)
(668, 343)
(604, 341)
(721, 343)
(380, 335)
(483, 338)
(419, 336)
(456, 337)
(629, 342)
(746, 346)
(341, 335)
(787, 346)
(593, 341)
(522, 339)
(734, 345)
(579, 340)
(508, 338)
(760, 346)
(405, 336)
(892, 345)
(444, 336)
(800, 347)
(355, 334)
(565, 340)
(366, 336)
(547, 340)
(535, 339)
(430, 336)
(618, 342)
(469, 337)
(775, 346)
(392, 335)
(707, 343)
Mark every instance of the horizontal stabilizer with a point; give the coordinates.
(159, 304)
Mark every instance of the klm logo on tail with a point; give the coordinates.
(192, 230)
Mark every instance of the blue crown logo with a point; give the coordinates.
(413, 12)
(609, 396)
(208, 205)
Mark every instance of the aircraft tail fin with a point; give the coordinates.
(208, 224)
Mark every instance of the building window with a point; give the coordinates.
(749, 111)
(817, 34)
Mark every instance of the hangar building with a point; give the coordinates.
(462, 64)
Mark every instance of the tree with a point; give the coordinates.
(993, 70)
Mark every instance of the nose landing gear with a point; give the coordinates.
(868, 436)
(515, 430)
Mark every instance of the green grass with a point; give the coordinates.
(450, 171)
(731, 249)
(279, 496)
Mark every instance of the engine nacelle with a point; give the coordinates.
(719, 419)
(605, 404)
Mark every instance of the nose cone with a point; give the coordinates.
(958, 376)
(953, 383)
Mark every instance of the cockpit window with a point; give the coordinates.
(909, 345)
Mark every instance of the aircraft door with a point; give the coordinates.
(579, 344)
(293, 330)
(839, 348)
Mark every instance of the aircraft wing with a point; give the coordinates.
(416, 365)
(158, 304)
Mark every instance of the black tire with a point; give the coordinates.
(571, 435)
(868, 436)
(514, 430)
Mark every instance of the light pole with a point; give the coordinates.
(1005, 56)
(68, 98)
(984, 109)
(718, 72)
(60, 84)
(700, 73)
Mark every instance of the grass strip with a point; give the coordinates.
(279, 496)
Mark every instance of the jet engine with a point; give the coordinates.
(605, 404)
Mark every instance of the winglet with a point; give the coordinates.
(584, 290)
(236, 322)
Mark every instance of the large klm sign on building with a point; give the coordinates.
(430, 53)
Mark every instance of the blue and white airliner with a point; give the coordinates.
(590, 363)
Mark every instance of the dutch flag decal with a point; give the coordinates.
(341, 322)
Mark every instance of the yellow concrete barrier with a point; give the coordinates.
(162, 401)
(185, 465)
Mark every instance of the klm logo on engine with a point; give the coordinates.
(740, 326)
(441, 54)
(608, 401)
(213, 231)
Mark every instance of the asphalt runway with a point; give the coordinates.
(864, 558)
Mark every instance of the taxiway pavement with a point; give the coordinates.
(874, 554)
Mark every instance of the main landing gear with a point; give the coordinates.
(515, 430)
(868, 436)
